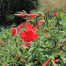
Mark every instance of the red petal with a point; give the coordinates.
(34, 36)
(23, 34)
(28, 26)
(28, 39)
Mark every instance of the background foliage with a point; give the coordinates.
(10, 7)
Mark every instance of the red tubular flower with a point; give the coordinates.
(34, 28)
(55, 14)
(54, 61)
(17, 56)
(32, 15)
(28, 35)
(4, 64)
(18, 27)
(14, 30)
(44, 64)
(29, 32)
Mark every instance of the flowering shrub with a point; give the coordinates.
(32, 44)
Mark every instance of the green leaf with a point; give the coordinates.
(39, 49)
(35, 62)
(30, 50)
(63, 58)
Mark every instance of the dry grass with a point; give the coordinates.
(49, 4)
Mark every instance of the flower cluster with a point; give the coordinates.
(21, 14)
(29, 32)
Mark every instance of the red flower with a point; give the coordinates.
(44, 64)
(53, 61)
(34, 28)
(17, 56)
(32, 15)
(29, 32)
(28, 35)
(4, 64)
(55, 14)
(14, 30)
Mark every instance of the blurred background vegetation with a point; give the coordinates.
(9, 7)
(53, 5)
